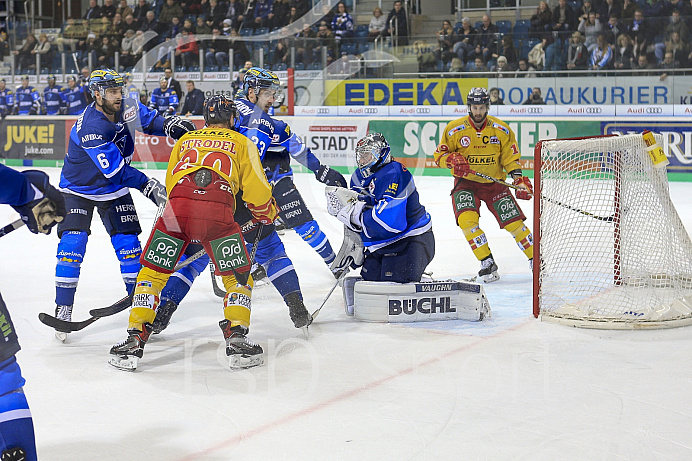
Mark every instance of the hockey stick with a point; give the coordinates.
(96, 314)
(547, 199)
(317, 312)
(10, 227)
(217, 289)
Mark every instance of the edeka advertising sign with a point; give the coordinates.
(36, 140)
(413, 142)
(400, 92)
(677, 139)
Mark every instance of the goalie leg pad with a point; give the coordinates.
(417, 302)
(351, 254)
(347, 288)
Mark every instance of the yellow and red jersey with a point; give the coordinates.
(233, 156)
(491, 150)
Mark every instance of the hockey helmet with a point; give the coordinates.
(51, 77)
(219, 109)
(102, 79)
(258, 78)
(478, 96)
(372, 152)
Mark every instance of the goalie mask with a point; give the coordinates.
(372, 153)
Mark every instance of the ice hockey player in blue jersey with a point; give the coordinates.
(41, 206)
(164, 99)
(382, 207)
(131, 90)
(52, 97)
(97, 174)
(6, 99)
(278, 145)
(74, 97)
(27, 101)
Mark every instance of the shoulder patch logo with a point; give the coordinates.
(456, 129)
(129, 114)
(501, 128)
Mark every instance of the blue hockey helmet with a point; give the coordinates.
(102, 79)
(258, 78)
(50, 77)
(372, 152)
(478, 96)
(219, 109)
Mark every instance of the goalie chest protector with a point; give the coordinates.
(418, 302)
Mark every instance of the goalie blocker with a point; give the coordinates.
(415, 302)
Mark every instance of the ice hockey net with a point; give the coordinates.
(610, 250)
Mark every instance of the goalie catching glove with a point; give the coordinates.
(175, 127)
(527, 189)
(351, 254)
(344, 204)
(46, 209)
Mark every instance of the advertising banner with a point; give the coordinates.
(332, 140)
(32, 138)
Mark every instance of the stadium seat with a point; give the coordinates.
(180, 68)
(349, 48)
(193, 69)
(299, 66)
(280, 67)
(211, 68)
(261, 31)
(478, 25)
(521, 28)
(245, 32)
(504, 26)
(315, 66)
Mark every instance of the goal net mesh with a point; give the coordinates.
(612, 250)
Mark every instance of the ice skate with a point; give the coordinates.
(488, 270)
(126, 355)
(62, 313)
(242, 352)
(296, 309)
(163, 316)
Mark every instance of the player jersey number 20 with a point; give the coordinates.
(218, 161)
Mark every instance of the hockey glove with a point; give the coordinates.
(459, 164)
(175, 127)
(330, 177)
(48, 207)
(339, 197)
(266, 213)
(155, 191)
(527, 192)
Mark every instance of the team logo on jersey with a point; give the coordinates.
(371, 187)
(465, 141)
(456, 129)
(494, 140)
(129, 113)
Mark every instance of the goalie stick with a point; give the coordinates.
(96, 314)
(547, 199)
(10, 227)
(317, 311)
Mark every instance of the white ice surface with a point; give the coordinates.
(508, 388)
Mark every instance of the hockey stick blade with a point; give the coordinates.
(63, 325)
(217, 289)
(10, 227)
(113, 309)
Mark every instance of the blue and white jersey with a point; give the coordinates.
(75, 100)
(27, 100)
(97, 164)
(6, 101)
(52, 99)
(393, 210)
(15, 188)
(164, 101)
(262, 128)
(132, 92)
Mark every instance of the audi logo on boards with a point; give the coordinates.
(422, 110)
(534, 110)
(370, 110)
(593, 110)
(654, 110)
(323, 110)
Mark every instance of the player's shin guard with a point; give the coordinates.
(237, 302)
(478, 242)
(522, 235)
(71, 250)
(128, 250)
(313, 235)
(146, 298)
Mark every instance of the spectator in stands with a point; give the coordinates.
(584, 10)
(128, 57)
(564, 20)
(628, 9)
(194, 101)
(304, 44)
(281, 10)
(240, 51)
(485, 39)
(174, 28)
(281, 48)
(679, 49)
(171, 9)
(668, 65)
(508, 52)
(535, 98)
(676, 24)
(293, 15)
(214, 12)
(670, 5)
(445, 41)
(466, 40)
(612, 29)
(45, 50)
(4, 45)
(141, 10)
(123, 9)
(455, 65)
(150, 23)
(25, 57)
(541, 21)
(641, 32)
(201, 27)
(106, 53)
(342, 23)
(495, 99)
(226, 27)
(609, 8)
(262, 14)
(237, 82)
(138, 45)
(590, 28)
(623, 53)
(119, 26)
(130, 23)
(216, 49)
(108, 10)
(577, 54)
(397, 24)
(303, 6)
(523, 69)
(554, 58)
(92, 48)
(377, 24)
(93, 12)
(536, 57)
(236, 10)
(601, 57)
(478, 66)
(325, 38)
(501, 68)
(189, 26)
(644, 66)
(173, 83)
